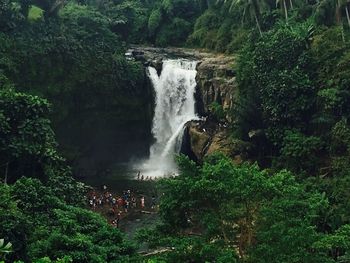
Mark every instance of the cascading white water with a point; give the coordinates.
(174, 107)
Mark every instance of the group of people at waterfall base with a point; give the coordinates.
(116, 206)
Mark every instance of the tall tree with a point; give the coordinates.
(253, 8)
(27, 142)
(284, 7)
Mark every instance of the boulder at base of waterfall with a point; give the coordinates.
(206, 139)
(199, 139)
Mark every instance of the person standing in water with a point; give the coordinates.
(118, 219)
(133, 201)
(142, 202)
(153, 202)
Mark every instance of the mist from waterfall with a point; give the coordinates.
(174, 107)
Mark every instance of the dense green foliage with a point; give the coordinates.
(39, 223)
(63, 71)
(27, 143)
(292, 108)
(70, 56)
(227, 213)
(75, 59)
(46, 218)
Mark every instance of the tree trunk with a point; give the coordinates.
(224, 234)
(249, 224)
(6, 172)
(338, 18)
(241, 244)
(291, 4)
(347, 15)
(285, 10)
(257, 24)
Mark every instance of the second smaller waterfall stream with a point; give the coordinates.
(174, 107)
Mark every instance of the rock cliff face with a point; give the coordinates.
(206, 138)
(216, 91)
(216, 88)
(216, 81)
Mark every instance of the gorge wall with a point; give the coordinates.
(216, 93)
(216, 82)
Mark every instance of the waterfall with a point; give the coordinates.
(174, 107)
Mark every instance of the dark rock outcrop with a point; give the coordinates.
(216, 82)
(207, 137)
